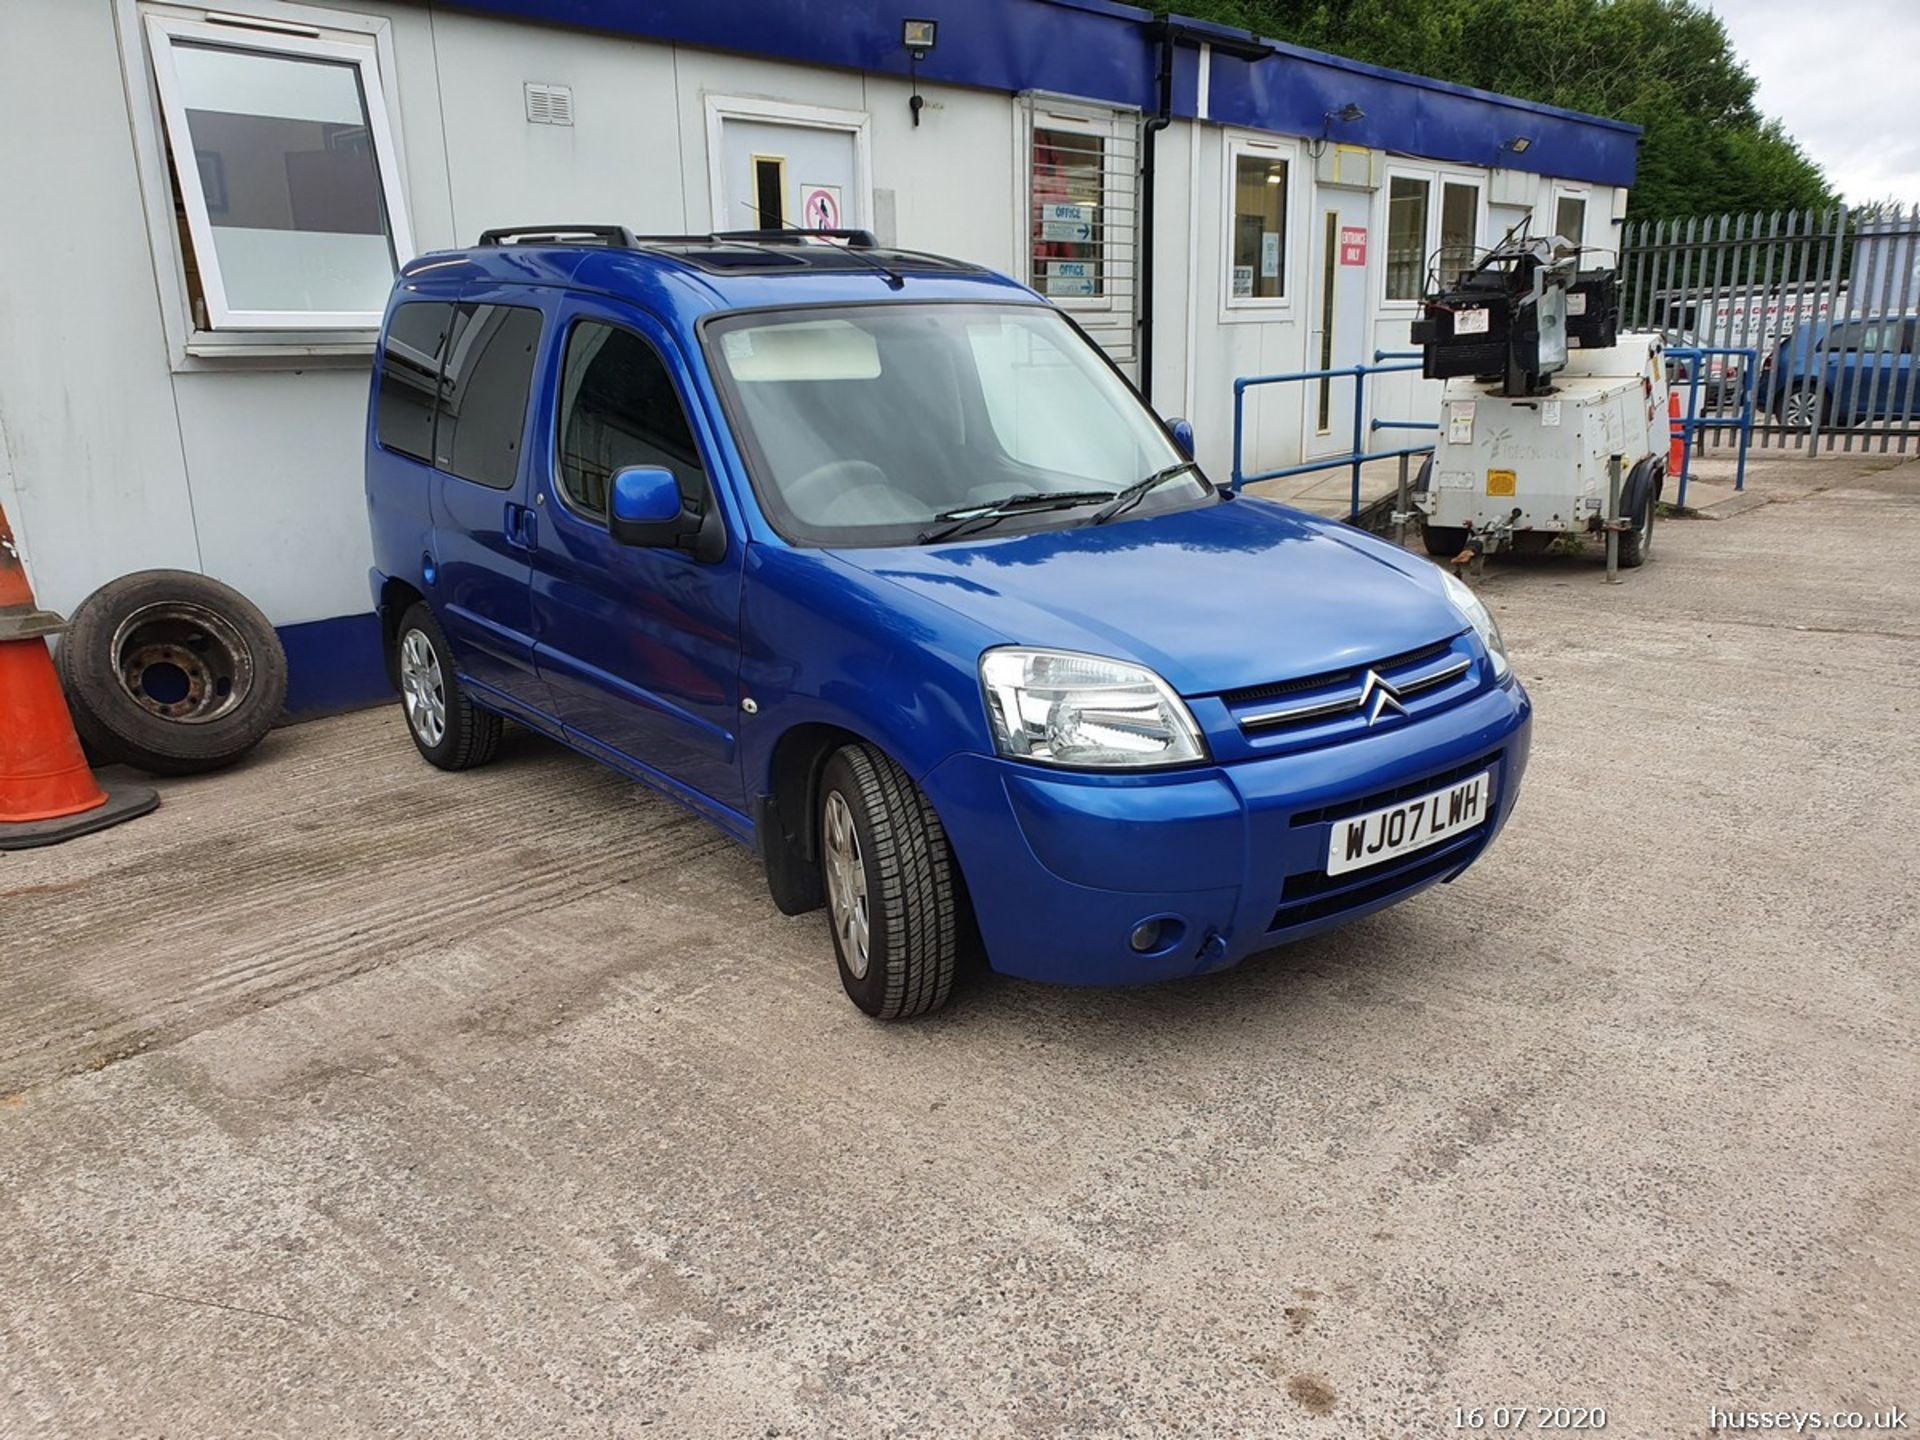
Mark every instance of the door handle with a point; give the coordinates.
(521, 527)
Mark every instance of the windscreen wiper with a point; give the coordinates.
(1136, 492)
(970, 519)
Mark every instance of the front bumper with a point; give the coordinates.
(1062, 866)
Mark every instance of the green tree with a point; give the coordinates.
(1665, 65)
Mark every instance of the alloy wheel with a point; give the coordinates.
(846, 883)
(423, 688)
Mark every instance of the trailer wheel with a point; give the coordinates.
(171, 672)
(1443, 542)
(1637, 544)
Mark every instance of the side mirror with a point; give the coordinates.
(1182, 435)
(645, 508)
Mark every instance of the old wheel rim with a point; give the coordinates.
(183, 662)
(422, 688)
(846, 883)
(1800, 410)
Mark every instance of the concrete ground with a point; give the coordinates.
(347, 1098)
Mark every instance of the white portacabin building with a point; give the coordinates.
(207, 204)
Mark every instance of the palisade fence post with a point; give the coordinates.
(1838, 235)
(1794, 285)
(1894, 244)
(1760, 292)
(1905, 248)
(1704, 333)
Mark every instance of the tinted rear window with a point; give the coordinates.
(409, 374)
(483, 397)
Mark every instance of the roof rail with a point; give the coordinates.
(617, 237)
(794, 234)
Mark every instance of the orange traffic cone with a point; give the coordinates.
(1677, 436)
(47, 793)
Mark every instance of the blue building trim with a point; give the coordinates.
(1100, 50)
(334, 665)
(1293, 91)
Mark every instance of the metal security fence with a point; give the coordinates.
(1827, 302)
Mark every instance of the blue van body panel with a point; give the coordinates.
(1082, 589)
(689, 675)
(1061, 867)
(639, 648)
(826, 643)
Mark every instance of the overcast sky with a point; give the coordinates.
(1841, 75)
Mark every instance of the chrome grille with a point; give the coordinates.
(1332, 704)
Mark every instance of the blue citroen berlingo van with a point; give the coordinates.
(873, 559)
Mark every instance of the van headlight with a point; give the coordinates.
(1468, 604)
(1061, 708)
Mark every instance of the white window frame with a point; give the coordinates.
(1478, 241)
(1050, 112)
(1582, 193)
(1436, 181)
(1428, 178)
(274, 23)
(857, 123)
(163, 31)
(1235, 309)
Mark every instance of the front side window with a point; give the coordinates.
(618, 407)
(1407, 200)
(483, 393)
(1259, 264)
(878, 424)
(1069, 194)
(284, 175)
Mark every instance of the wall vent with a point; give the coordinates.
(549, 104)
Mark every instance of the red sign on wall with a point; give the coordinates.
(1353, 244)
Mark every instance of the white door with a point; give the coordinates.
(1337, 322)
(780, 174)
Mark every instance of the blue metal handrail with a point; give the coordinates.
(1356, 373)
(1692, 419)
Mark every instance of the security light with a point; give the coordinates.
(1347, 113)
(918, 37)
(1519, 144)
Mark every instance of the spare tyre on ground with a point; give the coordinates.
(171, 672)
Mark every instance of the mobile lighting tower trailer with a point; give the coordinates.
(1542, 395)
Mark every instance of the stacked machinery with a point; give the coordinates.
(1542, 393)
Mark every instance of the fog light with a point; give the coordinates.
(1145, 936)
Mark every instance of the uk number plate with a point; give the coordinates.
(1412, 825)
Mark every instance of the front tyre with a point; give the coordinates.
(893, 895)
(447, 728)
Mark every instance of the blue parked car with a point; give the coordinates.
(877, 562)
(1842, 373)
